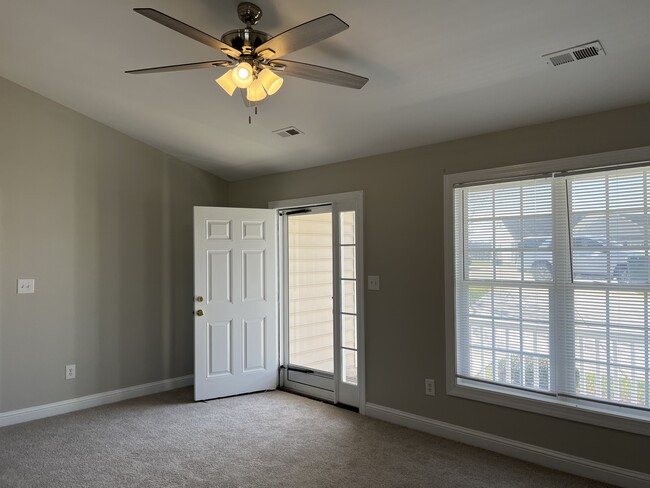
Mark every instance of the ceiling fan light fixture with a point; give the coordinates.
(225, 82)
(256, 92)
(270, 81)
(242, 75)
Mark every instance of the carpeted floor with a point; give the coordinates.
(271, 439)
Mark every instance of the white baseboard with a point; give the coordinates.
(74, 404)
(520, 450)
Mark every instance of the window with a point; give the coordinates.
(551, 281)
(348, 277)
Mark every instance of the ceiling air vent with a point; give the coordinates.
(288, 131)
(573, 54)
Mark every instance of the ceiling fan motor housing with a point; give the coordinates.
(245, 40)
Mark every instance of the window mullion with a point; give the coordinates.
(561, 296)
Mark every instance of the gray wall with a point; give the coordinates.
(104, 225)
(405, 330)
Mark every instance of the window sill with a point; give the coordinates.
(637, 423)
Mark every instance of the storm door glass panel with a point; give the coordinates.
(311, 328)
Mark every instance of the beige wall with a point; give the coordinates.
(405, 331)
(104, 225)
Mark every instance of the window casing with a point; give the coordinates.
(551, 283)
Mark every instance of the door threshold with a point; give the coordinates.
(306, 395)
(313, 397)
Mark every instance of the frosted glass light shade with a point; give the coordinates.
(242, 75)
(256, 92)
(270, 81)
(226, 83)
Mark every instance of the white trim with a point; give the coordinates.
(574, 411)
(520, 450)
(585, 412)
(66, 406)
(587, 161)
(317, 200)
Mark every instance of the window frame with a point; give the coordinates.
(572, 409)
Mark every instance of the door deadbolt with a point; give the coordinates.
(199, 299)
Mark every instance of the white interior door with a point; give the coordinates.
(235, 324)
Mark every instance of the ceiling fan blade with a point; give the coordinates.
(302, 35)
(188, 30)
(320, 73)
(181, 67)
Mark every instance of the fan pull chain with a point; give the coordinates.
(250, 119)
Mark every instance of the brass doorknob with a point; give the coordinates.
(199, 313)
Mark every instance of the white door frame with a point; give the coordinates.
(348, 200)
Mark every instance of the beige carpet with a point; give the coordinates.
(260, 440)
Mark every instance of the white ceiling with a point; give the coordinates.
(438, 69)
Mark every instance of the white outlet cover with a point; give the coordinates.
(373, 282)
(70, 371)
(25, 285)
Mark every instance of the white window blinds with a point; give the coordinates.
(551, 278)
(607, 338)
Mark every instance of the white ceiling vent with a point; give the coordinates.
(573, 54)
(288, 132)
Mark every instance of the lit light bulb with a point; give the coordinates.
(270, 81)
(226, 83)
(255, 92)
(242, 75)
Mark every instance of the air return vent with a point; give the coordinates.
(288, 132)
(574, 54)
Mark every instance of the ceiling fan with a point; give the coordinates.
(255, 57)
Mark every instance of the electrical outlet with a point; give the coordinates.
(373, 282)
(70, 371)
(429, 387)
(25, 285)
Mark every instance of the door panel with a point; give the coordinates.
(254, 340)
(220, 346)
(219, 278)
(253, 284)
(310, 290)
(236, 337)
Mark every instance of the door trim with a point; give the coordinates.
(334, 199)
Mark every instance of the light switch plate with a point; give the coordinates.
(373, 282)
(25, 285)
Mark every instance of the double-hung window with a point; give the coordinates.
(551, 285)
